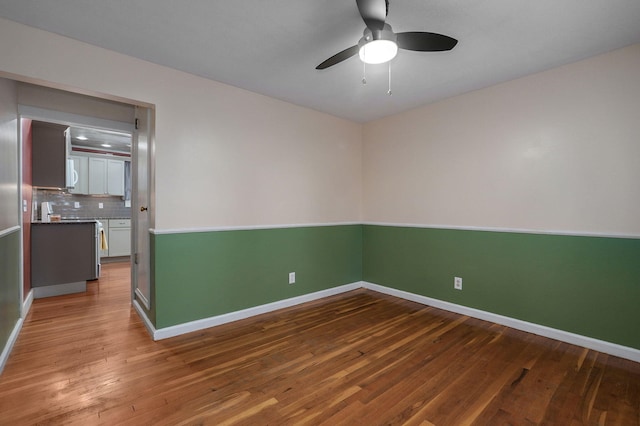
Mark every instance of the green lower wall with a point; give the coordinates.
(584, 285)
(203, 274)
(9, 285)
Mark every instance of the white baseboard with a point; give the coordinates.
(4, 356)
(188, 327)
(541, 330)
(26, 305)
(145, 319)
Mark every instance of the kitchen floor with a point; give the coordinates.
(68, 354)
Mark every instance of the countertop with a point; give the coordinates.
(70, 220)
(65, 222)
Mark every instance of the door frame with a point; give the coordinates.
(149, 206)
(28, 112)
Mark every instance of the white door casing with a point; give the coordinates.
(142, 208)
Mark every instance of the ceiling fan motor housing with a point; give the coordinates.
(385, 33)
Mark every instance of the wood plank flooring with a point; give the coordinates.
(360, 358)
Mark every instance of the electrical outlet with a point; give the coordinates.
(457, 283)
(76, 204)
(292, 277)
(100, 205)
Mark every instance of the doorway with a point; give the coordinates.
(103, 115)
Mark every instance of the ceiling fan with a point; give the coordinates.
(379, 44)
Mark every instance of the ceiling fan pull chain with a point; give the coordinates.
(389, 92)
(364, 73)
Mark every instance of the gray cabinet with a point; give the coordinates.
(49, 154)
(62, 254)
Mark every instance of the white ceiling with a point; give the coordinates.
(272, 47)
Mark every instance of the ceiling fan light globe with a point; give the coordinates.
(378, 51)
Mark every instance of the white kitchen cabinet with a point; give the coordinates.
(119, 237)
(97, 175)
(81, 166)
(115, 177)
(106, 176)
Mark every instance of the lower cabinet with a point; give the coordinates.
(118, 232)
(63, 257)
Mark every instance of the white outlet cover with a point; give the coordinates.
(457, 283)
(100, 205)
(76, 204)
(292, 277)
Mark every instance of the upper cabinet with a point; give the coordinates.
(50, 152)
(115, 177)
(92, 172)
(97, 175)
(106, 176)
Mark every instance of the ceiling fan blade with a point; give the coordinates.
(425, 42)
(373, 12)
(338, 57)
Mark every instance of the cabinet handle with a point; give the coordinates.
(143, 209)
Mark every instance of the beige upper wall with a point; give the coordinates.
(224, 156)
(554, 151)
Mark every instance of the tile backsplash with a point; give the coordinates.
(64, 204)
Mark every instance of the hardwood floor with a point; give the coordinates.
(357, 358)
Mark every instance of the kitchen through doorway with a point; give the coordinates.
(108, 148)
